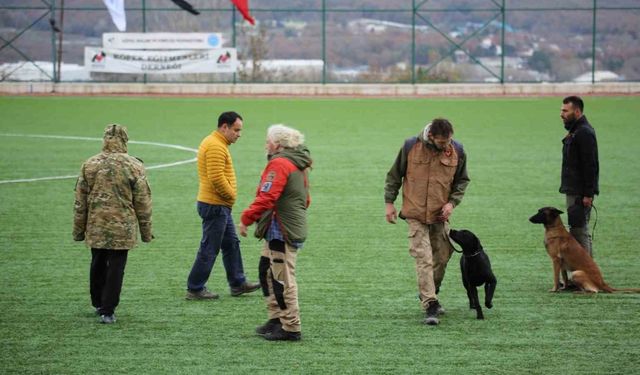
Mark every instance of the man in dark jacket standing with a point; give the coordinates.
(280, 211)
(580, 169)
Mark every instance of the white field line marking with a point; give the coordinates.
(166, 165)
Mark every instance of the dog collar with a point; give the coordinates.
(472, 255)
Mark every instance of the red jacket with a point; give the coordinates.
(283, 192)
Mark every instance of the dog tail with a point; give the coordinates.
(625, 290)
(607, 289)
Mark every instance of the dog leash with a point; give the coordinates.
(453, 246)
(595, 222)
(460, 251)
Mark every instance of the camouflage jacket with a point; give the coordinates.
(112, 197)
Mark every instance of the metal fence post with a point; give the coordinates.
(324, 42)
(504, 22)
(144, 29)
(54, 58)
(60, 39)
(413, 42)
(144, 16)
(593, 44)
(233, 37)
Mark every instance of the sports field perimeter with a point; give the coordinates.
(359, 308)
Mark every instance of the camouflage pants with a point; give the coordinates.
(429, 245)
(282, 298)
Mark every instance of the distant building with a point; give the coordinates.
(598, 76)
(496, 62)
(348, 74)
(285, 68)
(41, 71)
(369, 25)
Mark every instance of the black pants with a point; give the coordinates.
(105, 278)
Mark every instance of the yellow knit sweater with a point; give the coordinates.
(215, 171)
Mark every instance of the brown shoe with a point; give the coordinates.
(246, 287)
(202, 294)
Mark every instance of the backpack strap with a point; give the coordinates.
(458, 146)
(408, 143)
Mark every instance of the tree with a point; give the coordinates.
(257, 51)
(540, 61)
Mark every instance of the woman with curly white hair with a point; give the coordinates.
(280, 211)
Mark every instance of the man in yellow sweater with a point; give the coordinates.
(216, 195)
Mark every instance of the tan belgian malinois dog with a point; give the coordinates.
(568, 255)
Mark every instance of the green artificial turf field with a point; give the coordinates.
(358, 295)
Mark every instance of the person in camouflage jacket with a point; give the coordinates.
(112, 204)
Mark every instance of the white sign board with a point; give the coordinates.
(183, 41)
(219, 60)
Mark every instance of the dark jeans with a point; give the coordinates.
(218, 233)
(105, 278)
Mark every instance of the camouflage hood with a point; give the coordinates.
(115, 139)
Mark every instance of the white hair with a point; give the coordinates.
(425, 132)
(285, 136)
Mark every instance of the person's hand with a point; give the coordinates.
(243, 230)
(587, 201)
(446, 211)
(391, 214)
(78, 237)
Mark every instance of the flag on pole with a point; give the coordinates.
(116, 9)
(186, 6)
(243, 7)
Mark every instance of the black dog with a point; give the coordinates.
(476, 269)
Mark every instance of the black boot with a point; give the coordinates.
(280, 334)
(432, 314)
(268, 327)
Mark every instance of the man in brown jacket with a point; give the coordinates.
(112, 204)
(432, 170)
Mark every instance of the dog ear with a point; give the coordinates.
(556, 211)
